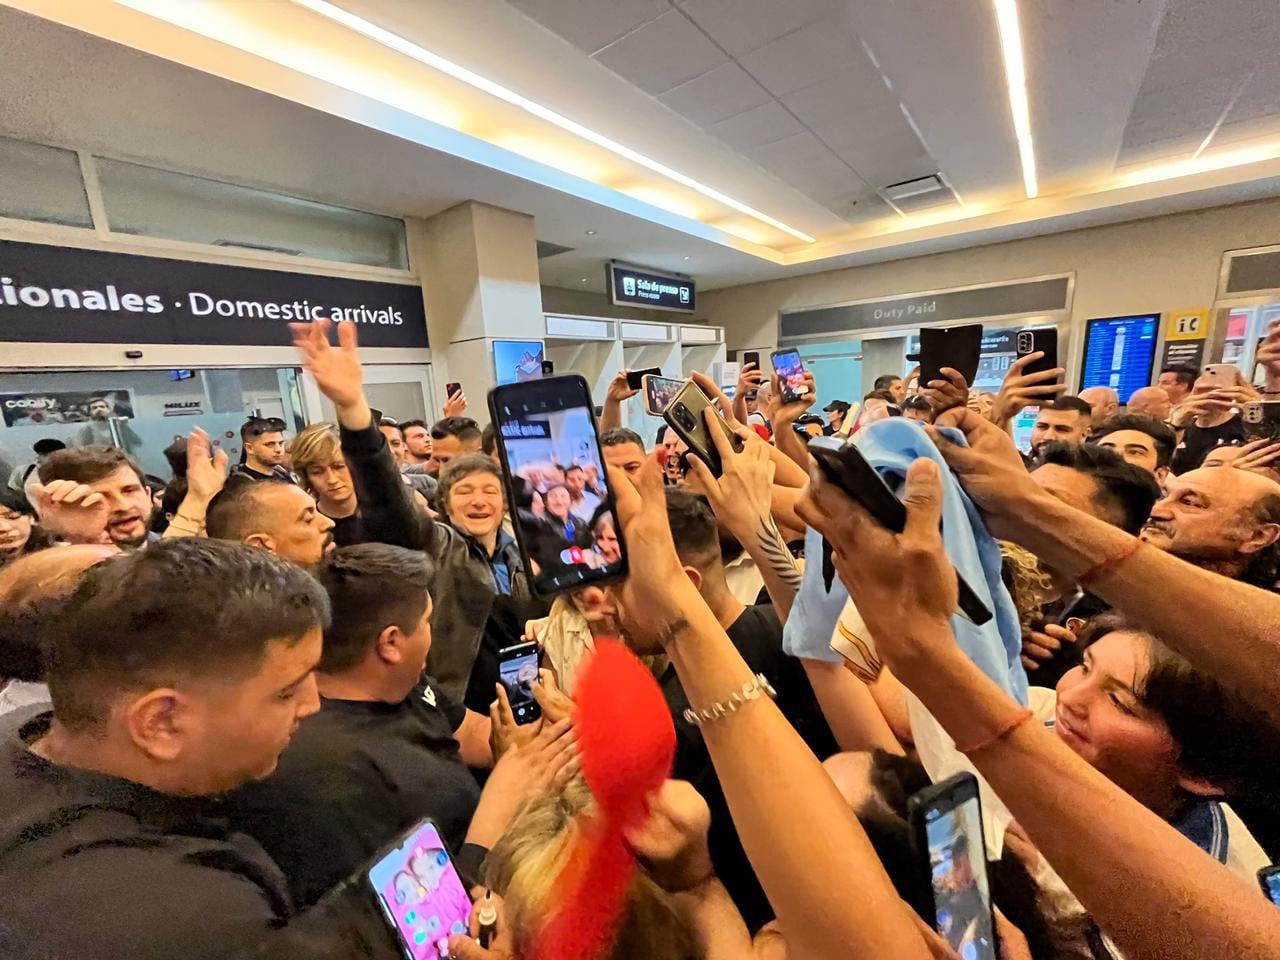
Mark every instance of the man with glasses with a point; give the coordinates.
(263, 441)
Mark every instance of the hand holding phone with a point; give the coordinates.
(419, 892)
(518, 671)
(685, 414)
(1041, 340)
(659, 392)
(635, 378)
(790, 370)
(959, 348)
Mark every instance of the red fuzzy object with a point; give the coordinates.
(626, 743)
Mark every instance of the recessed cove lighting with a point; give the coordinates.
(1015, 73)
(591, 233)
(399, 44)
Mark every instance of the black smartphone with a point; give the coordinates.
(843, 464)
(1044, 339)
(1260, 420)
(957, 347)
(790, 370)
(451, 388)
(377, 415)
(751, 356)
(946, 822)
(571, 536)
(1269, 880)
(685, 415)
(518, 671)
(548, 368)
(418, 889)
(635, 378)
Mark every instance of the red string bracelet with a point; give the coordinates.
(1106, 566)
(1014, 722)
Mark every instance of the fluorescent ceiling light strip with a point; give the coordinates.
(1016, 76)
(410, 49)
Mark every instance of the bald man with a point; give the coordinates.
(1103, 400)
(1222, 519)
(1151, 402)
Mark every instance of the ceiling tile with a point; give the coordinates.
(850, 91)
(591, 26)
(717, 95)
(803, 57)
(1259, 99)
(1158, 151)
(807, 164)
(662, 54)
(753, 128)
(740, 26)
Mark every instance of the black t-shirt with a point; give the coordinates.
(357, 774)
(277, 473)
(1197, 442)
(757, 635)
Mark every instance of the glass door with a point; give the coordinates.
(1245, 324)
(399, 391)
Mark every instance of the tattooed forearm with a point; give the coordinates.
(775, 552)
(670, 632)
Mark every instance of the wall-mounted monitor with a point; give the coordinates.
(517, 360)
(1119, 352)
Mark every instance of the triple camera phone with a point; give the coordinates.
(418, 890)
(1043, 340)
(555, 478)
(686, 416)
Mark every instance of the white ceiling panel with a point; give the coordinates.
(856, 87)
(740, 26)
(806, 163)
(591, 26)
(803, 57)
(718, 94)
(662, 54)
(753, 128)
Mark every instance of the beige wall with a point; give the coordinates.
(1147, 266)
(586, 303)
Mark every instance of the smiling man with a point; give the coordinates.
(102, 497)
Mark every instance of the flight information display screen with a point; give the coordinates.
(1119, 353)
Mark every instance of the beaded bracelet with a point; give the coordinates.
(753, 689)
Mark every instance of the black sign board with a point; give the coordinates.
(1190, 352)
(67, 295)
(633, 287)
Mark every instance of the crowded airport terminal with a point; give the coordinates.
(639, 480)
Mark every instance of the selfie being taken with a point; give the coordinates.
(673, 480)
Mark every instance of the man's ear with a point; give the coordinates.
(390, 645)
(1264, 536)
(263, 540)
(1199, 786)
(694, 576)
(161, 723)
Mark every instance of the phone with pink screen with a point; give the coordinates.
(420, 893)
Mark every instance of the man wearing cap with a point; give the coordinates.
(836, 411)
(263, 441)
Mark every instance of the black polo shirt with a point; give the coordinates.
(95, 867)
(355, 775)
(757, 635)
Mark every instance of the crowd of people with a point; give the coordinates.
(224, 695)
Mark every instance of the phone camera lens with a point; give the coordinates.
(684, 416)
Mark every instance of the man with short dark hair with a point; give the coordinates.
(277, 516)
(177, 674)
(262, 439)
(452, 437)
(415, 477)
(1221, 519)
(623, 449)
(1143, 441)
(97, 431)
(1066, 419)
(417, 442)
(1177, 380)
(894, 385)
(388, 746)
(93, 495)
(757, 634)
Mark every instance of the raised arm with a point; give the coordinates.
(787, 473)
(1021, 390)
(784, 418)
(619, 390)
(206, 476)
(1241, 647)
(1155, 893)
(386, 505)
(806, 846)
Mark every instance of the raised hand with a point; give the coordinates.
(951, 391)
(1021, 390)
(555, 703)
(206, 468)
(547, 760)
(455, 404)
(749, 378)
(1041, 645)
(619, 390)
(71, 511)
(714, 393)
(788, 413)
(673, 841)
(1259, 456)
(1269, 357)
(336, 370)
(742, 495)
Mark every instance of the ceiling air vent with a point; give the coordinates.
(548, 249)
(924, 193)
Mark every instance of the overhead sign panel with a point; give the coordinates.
(638, 287)
(67, 295)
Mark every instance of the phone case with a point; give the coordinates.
(957, 347)
(685, 416)
(788, 395)
(1031, 341)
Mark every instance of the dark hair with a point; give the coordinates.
(917, 402)
(1221, 738)
(1070, 403)
(459, 468)
(176, 454)
(694, 528)
(182, 609)
(880, 393)
(1185, 372)
(174, 493)
(1161, 433)
(464, 428)
(371, 586)
(617, 436)
(571, 467)
(387, 422)
(1122, 487)
(16, 500)
(87, 464)
(603, 510)
(885, 381)
(256, 427)
(489, 440)
(236, 511)
(47, 445)
(406, 424)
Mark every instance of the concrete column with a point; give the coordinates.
(479, 270)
